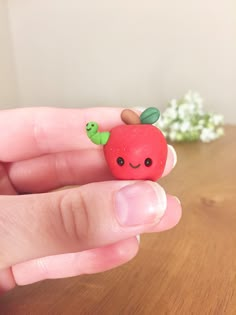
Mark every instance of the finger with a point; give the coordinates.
(171, 160)
(171, 216)
(90, 261)
(74, 264)
(68, 168)
(7, 281)
(6, 187)
(78, 219)
(30, 132)
(53, 171)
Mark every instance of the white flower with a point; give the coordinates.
(217, 119)
(163, 122)
(172, 135)
(160, 123)
(185, 119)
(182, 111)
(179, 137)
(192, 108)
(220, 132)
(207, 135)
(176, 126)
(170, 113)
(201, 122)
(188, 96)
(198, 127)
(193, 97)
(185, 126)
(173, 103)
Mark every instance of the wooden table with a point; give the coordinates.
(188, 270)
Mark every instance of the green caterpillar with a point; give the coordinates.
(94, 135)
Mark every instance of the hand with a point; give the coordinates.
(87, 229)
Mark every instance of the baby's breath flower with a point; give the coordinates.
(173, 104)
(171, 113)
(208, 135)
(176, 126)
(172, 135)
(220, 131)
(217, 119)
(184, 126)
(185, 120)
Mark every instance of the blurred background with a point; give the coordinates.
(73, 53)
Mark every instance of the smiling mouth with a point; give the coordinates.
(88, 129)
(134, 166)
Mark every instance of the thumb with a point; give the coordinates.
(77, 219)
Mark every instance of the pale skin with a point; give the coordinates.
(44, 233)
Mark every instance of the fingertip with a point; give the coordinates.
(171, 217)
(171, 160)
(7, 281)
(138, 238)
(126, 250)
(172, 154)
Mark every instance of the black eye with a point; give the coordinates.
(120, 161)
(92, 125)
(148, 162)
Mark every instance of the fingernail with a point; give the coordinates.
(174, 154)
(138, 238)
(140, 203)
(177, 199)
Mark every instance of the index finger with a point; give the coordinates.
(30, 132)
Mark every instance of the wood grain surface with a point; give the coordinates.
(188, 270)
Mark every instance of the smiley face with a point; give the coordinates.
(91, 128)
(120, 161)
(136, 152)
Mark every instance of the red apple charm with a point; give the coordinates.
(136, 151)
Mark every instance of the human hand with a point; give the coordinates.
(87, 229)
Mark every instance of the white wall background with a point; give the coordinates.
(8, 89)
(126, 52)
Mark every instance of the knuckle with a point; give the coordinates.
(74, 216)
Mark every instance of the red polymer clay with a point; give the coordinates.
(136, 152)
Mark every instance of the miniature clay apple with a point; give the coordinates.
(134, 151)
